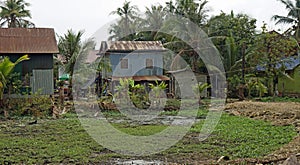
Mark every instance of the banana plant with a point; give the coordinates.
(6, 68)
(158, 87)
(199, 88)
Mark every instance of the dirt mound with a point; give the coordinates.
(285, 113)
(277, 113)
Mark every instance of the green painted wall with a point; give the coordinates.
(42, 64)
(36, 61)
(288, 86)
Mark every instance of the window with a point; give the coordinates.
(149, 63)
(124, 63)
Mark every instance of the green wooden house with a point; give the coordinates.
(40, 44)
(290, 86)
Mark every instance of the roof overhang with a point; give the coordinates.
(142, 78)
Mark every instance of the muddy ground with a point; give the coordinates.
(286, 113)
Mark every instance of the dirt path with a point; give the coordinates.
(286, 113)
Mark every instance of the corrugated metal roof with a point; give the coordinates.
(290, 63)
(144, 78)
(128, 46)
(28, 40)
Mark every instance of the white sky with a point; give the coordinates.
(90, 15)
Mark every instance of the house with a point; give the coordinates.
(40, 44)
(290, 86)
(141, 61)
(183, 76)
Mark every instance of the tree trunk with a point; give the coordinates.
(2, 106)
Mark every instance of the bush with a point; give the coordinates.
(36, 105)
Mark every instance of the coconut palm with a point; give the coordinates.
(75, 51)
(153, 21)
(292, 18)
(186, 16)
(126, 25)
(13, 13)
(69, 44)
(196, 11)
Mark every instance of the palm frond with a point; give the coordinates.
(283, 19)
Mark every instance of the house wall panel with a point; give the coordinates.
(43, 82)
(288, 86)
(137, 64)
(37, 61)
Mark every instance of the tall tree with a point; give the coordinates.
(230, 33)
(269, 52)
(14, 13)
(292, 18)
(195, 10)
(126, 26)
(69, 44)
(190, 11)
(153, 21)
(73, 49)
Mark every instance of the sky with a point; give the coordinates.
(91, 15)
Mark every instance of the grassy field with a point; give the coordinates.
(65, 141)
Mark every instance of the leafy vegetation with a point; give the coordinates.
(54, 141)
(242, 49)
(73, 49)
(280, 99)
(6, 69)
(237, 137)
(292, 18)
(13, 14)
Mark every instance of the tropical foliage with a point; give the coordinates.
(230, 32)
(269, 50)
(6, 69)
(126, 27)
(73, 49)
(292, 18)
(13, 14)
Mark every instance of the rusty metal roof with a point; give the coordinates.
(129, 46)
(143, 78)
(28, 40)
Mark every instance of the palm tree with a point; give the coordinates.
(69, 44)
(185, 17)
(153, 21)
(154, 17)
(128, 19)
(292, 18)
(185, 46)
(13, 14)
(6, 68)
(71, 47)
(74, 51)
(195, 11)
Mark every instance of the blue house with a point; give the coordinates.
(141, 61)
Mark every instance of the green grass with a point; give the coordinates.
(280, 99)
(65, 140)
(56, 141)
(238, 137)
(140, 130)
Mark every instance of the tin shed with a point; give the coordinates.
(40, 44)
